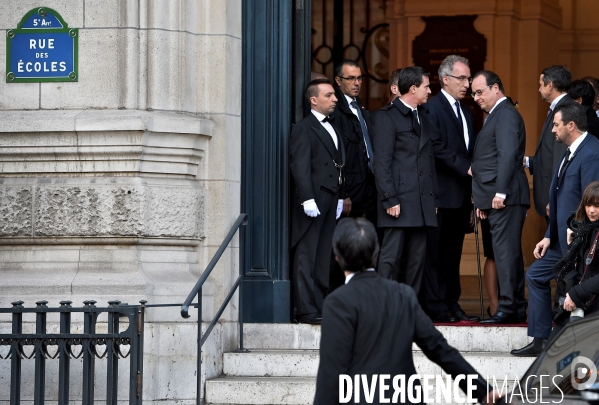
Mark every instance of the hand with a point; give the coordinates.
(393, 211)
(340, 208)
(569, 233)
(569, 305)
(547, 209)
(346, 206)
(470, 171)
(481, 214)
(436, 210)
(472, 219)
(498, 203)
(311, 209)
(541, 248)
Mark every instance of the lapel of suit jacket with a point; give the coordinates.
(324, 136)
(486, 126)
(549, 122)
(405, 110)
(424, 134)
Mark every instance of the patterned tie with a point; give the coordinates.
(364, 134)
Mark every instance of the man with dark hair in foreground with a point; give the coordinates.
(370, 323)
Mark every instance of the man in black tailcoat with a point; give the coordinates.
(316, 158)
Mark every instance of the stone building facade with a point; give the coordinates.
(122, 185)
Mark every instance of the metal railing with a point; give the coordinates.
(197, 292)
(66, 341)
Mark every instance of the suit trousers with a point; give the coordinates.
(402, 255)
(506, 232)
(441, 288)
(538, 277)
(312, 258)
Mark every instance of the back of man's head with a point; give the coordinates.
(410, 76)
(560, 76)
(355, 244)
(583, 90)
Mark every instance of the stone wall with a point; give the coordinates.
(122, 185)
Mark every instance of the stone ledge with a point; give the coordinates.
(102, 120)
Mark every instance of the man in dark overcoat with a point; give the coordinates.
(370, 323)
(405, 178)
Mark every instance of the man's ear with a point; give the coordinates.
(338, 80)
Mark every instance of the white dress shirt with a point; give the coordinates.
(351, 275)
(458, 111)
(327, 125)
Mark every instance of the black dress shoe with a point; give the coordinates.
(521, 318)
(443, 317)
(312, 319)
(498, 318)
(533, 349)
(461, 315)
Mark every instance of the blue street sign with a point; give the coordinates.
(42, 49)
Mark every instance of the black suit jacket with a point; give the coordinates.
(404, 167)
(593, 122)
(368, 327)
(546, 161)
(356, 158)
(312, 157)
(497, 159)
(452, 158)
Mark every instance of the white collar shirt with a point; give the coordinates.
(327, 125)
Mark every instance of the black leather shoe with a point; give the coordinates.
(498, 318)
(521, 318)
(533, 349)
(461, 315)
(443, 317)
(312, 319)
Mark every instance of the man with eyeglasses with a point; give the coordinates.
(453, 142)
(406, 180)
(353, 122)
(500, 190)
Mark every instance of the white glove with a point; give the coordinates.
(310, 208)
(339, 209)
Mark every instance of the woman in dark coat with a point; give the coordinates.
(578, 271)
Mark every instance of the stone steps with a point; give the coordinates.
(281, 364)
(304, 363)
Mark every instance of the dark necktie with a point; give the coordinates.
(364, 134)
(457, 106)
(562, 169)
(459, 114)
(416, 120)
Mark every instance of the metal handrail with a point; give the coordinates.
(197, 291)
(241, 220)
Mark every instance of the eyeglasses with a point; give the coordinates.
(462, 78)
(480, 92)
(352, 78)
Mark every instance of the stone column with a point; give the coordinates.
(123, 185)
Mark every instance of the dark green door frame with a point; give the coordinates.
(275, 70)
